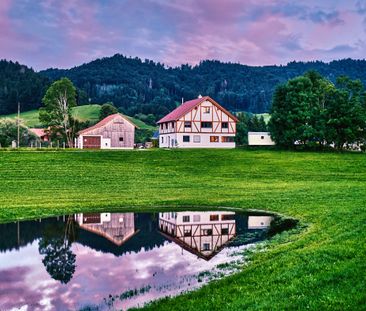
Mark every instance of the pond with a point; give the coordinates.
(112, 261)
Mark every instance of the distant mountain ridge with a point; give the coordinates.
(137, 86)
(149, 87)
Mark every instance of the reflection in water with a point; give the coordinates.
(55, 245)
(75, 261)
(201, 233)
(116, 227)
(259, 222)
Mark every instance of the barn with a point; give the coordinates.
(113, 132)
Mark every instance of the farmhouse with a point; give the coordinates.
(113, 132)
(198, 123)
(260, 139)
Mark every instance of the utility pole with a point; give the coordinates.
(18, 123)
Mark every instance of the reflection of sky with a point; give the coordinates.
(98, 275)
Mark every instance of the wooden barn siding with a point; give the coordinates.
(114, 131)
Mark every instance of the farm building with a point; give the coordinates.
(260, 139)
(40, 133)
(113, 132)
(198, 123)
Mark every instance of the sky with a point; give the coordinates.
(67, 33)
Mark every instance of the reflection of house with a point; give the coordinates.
(259, 222)
(201, 233)
(113, 132)
(116, 227)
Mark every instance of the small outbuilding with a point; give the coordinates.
(113, 132)
(40, 133)
(260, 139)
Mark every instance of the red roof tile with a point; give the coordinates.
(186, 107)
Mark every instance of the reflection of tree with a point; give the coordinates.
(55, 244)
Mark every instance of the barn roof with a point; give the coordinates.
(104, 122)
(186, 107)
(38, 132)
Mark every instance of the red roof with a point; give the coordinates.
(38, 132)
(186, 107)
(105, 121)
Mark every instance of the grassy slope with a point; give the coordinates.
(322, 268)
(83, 113)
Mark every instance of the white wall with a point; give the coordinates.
(196, 140)
(260, 139)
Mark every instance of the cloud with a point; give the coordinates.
(50, 33)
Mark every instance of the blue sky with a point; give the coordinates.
(51, 33)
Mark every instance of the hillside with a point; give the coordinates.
(136, 86)
(82, 113)
(144, 86)
(20, 83)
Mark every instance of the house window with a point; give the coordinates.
(185, 218)
(196, 218)
(227, 139)
(172, 125)
(121, 139)
(214, 217)
(161, 126)
(262, 137)
(214, 139)
(206, 247)
(206, 125)
(187, 124)
(206, 231)
(186, 139)
(206, 109)
(187, 232)
(166, 126)
(196, 139)
(228, 217)
(224, 125)
(162, 140)
(225, 231)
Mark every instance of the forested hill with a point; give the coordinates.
(20, 83)
(148, 87)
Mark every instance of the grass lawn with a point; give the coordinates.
(322, 267)
(82, 113)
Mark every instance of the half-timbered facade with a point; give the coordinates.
(113, 132)
(201, 233)
(198, 123)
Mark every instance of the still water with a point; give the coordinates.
(108, 261)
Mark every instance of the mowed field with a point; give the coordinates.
(320, 267)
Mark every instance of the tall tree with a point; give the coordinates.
(106, 110)
(345, 113)
(58, 101)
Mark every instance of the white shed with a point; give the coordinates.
(260, 139)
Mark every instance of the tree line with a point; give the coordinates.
(311, 111)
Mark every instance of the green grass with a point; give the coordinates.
(321, 267)
(266, 116)
(82, 113)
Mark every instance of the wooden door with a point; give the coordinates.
(91, 142)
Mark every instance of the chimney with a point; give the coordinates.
(200, 96)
